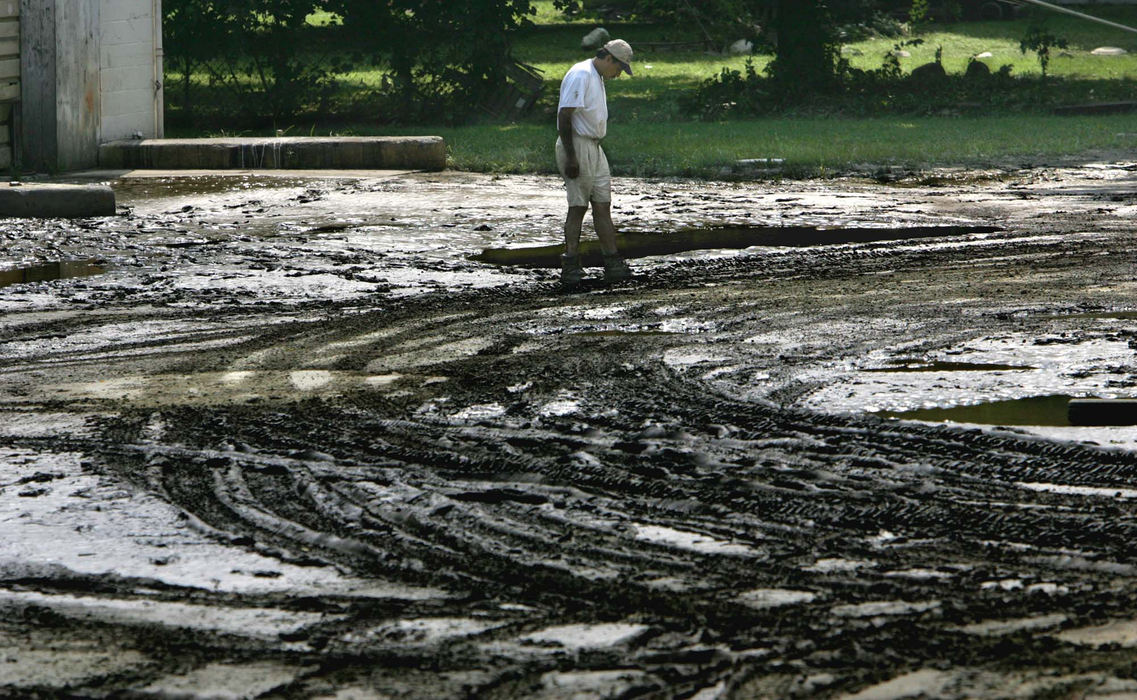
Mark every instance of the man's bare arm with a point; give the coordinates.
(564, 128)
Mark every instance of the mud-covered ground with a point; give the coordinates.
(278, 435)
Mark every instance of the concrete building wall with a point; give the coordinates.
(89, 71)
(130, 69)
(78, 101)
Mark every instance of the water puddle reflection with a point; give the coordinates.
(1102, 315)
(142, 188)
(621, 333)
(63, 269)
(638, 245)
(1035, 410)
(1057, 410)
(939, 366)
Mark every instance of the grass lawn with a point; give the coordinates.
(815, 146)
(1001, 39)
(649, 135)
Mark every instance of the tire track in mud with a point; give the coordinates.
(537, 458)
(760, 533)
(833, 544)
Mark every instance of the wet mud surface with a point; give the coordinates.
(295, 439)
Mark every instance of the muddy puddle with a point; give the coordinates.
(1117, 315)
(1036, 410)
(638, 245)
(1061, 411)
(64, 269)
(137, 189)
(943, 366)
(305, 442)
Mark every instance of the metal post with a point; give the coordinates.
(158, 59)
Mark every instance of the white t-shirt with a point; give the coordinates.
(583, 89)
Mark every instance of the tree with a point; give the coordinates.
(274, 37)
(1040, 40)
(806, 64)
(802, 32)
(445, 55)
(190, 39)
(719, 21)
(806, 56)
(257, 48)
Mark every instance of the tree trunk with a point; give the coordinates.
(805, 53)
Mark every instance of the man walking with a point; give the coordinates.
(582, 121)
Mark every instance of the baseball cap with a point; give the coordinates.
(622, 52)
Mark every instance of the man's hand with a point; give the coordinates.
(564, 128)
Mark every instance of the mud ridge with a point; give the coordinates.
(669, 488)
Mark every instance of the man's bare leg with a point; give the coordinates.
(573, 223)
(571, 271)
(615, 269)
(605, 229)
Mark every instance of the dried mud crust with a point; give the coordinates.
(612, 494)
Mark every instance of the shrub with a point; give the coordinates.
(442, 56)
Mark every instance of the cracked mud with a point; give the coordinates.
(291, 437)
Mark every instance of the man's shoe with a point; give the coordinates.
(615, 269)
(571, 271)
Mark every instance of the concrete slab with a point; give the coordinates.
(49, 200)
(106, 175)
(286, 152)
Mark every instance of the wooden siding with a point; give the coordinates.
(9, 50)
(9, 75)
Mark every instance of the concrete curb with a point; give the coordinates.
(286, 152)
(46, 201)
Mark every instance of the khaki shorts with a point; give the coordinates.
(594, 184)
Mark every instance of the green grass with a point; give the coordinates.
(963, 40)
(809, 146)
(662, 76)
(649, 135)
(547, 14)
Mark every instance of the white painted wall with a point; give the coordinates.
(90, 72)
(76, 83)
(130, 69)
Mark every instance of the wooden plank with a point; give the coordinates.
(10, 92)
(9, 74)
(9, 69)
